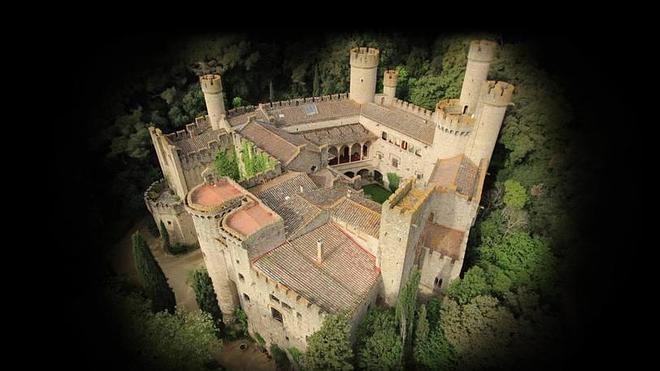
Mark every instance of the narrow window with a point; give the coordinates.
(273, 298)
(246, 297)
(276, 314)
(384, 136)
(240, 277)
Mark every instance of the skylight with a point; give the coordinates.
(310, 109)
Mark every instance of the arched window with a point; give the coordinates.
(384, 136)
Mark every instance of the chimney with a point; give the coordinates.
(319, 250)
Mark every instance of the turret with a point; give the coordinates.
(480, 56)
(494, 99)
(390, 78)
(215, 104)
(364, 66)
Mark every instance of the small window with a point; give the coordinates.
(238, 261)
(395, 162)
(287, 338)
(313, 168)
(169, 222)
(384, 136)
(420, 176)
(299, 315)
(276, 314)
(404, 144)
(273, 298)
(240, 277)
(286, 306)
(438, 282)
(246, 297)
(379, 155)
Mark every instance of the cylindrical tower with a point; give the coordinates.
(215, 104)
(390, 78)
(494, 99)
(208, 203)
(480, 55)
(453, 129)
(364, 66)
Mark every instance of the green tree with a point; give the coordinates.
(226, 164)
(431, 350)
(151, 276)
(330, 347)
(515, 195)
(474, 283)
(206, 297)
(406, 306)
(237, 102)
(166, 237)
(378, 343)
(393, 180)
(280, 357)
(316, 86)
(164, 341)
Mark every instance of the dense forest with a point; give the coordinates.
(515, 304)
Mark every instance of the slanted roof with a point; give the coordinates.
(341, 281)
(441, 239)
(299, 114)
(456, 172)
(275, 191)
(353, 133)
(402, 121)
(270, 142)
(236, 119)
(358, 216)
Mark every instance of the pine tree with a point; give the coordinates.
(205, 295)
(151, 276)
(166, 237)
(330, 347)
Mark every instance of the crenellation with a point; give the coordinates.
(423, 223)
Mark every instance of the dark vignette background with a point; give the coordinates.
(600, 70)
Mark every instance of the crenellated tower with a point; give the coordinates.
(493, 101)
(390, 78)
(215, 104)
(480, 56)
(364, 66)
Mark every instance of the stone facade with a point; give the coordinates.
(300, 241)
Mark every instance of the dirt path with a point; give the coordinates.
(232, 357)
(176, 268)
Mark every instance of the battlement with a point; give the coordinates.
(159, 196)
(240, 110)
(211, 198)
(301, 101)
(211, 83)
(482, 51)
(496, 93)
(400, 193)
(200, 157)
(451, 119)
(390, 78)
(364, 57)
(410, 107)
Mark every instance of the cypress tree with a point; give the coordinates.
(206, 297)
(151, 276)
(330, 347)
(316, 85)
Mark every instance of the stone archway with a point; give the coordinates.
(365, 150)
(378, 176)
(333, 156)
(349, 174)
(356, 152)
(344, 154)
(364, 173)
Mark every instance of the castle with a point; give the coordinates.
(300, 240)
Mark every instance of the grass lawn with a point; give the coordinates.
(376, 192)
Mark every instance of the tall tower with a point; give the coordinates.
(494, 99)
(390, 78)
(215, 104)
(476, 72)
(364, 66)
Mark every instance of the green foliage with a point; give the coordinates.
(393, 180)
(260, 340)
(474, 283)
(431, 350)
(206, 297)
(237, 102)
(378, 344)
(164, 341)
(406, 306)
(281, 360)
(165, 236)
(151, 276)
(515, 195)
(330, 347)
(433, 311)
(226, 164)
(152, 227)
(255, 161)
(130, 136)
(241, 322)
(316, 84)
(296, 354)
